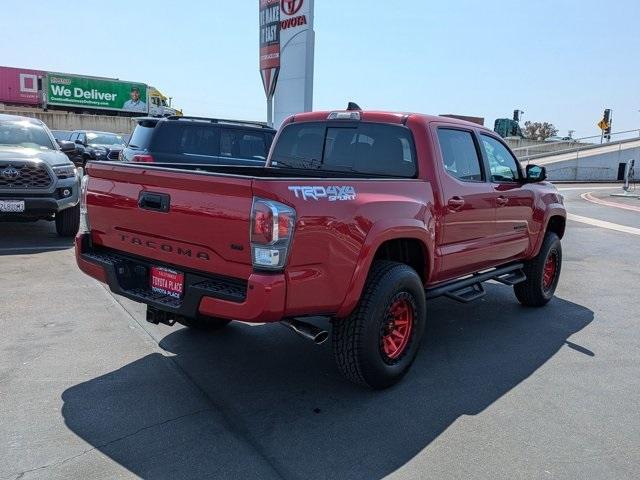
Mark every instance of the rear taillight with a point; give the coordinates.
(85, 226)
(143, 158)
(272, 225)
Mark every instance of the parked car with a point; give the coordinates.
(199, 141)
(94, 145)
(360, 217)
(37, 180)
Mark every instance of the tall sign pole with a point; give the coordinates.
(269, 16)
(294, 91)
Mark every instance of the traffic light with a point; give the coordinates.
(516, 115)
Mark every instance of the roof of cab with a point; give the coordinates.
(214, 121)
(382, 117)
(20, 118)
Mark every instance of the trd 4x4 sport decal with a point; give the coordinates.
(332, 194)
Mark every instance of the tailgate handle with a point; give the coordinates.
(158, 202)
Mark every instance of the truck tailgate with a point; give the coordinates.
(205, 227)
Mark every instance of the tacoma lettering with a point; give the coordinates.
(165, 247)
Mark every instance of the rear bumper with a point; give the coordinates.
(260, 299)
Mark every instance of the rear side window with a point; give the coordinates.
(191, 139)
(242, 144)
(367, 148)
(141, 137)
(460, 155)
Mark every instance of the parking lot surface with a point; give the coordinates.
(89, 389)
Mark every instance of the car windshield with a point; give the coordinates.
(25, 134)
(61, 134)
(104, 139)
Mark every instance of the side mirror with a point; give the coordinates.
(66, 146)
(79, 142)
(536, 173)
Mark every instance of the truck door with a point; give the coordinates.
(466, 243)
(154, 107)
(514, 201)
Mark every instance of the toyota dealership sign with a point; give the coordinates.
(269, 44)
(286, 56)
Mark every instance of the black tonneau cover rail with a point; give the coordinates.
(254, 171)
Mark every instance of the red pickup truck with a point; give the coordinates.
(359, 217)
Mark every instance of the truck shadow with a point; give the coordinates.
(18, 238)
(269, 405)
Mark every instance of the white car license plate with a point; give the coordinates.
(12, 206)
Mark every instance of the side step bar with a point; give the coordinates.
(470, 288)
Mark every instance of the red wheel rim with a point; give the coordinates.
(549, 272)
(396, 331)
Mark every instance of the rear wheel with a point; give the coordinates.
(378, 342)
(205, 323)
(543, 273)
(68, 222)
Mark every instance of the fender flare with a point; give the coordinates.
(381, 232)
(552, 210)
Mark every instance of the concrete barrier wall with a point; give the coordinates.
(600, 163)
(534, 147)
(602, 167)
(71, 121)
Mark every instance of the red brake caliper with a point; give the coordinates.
(549, 273)
(397, 330)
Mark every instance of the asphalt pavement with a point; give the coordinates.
(88, 389)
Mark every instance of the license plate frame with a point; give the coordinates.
(12, 206)
(166, 281)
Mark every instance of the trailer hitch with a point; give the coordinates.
(156, 317)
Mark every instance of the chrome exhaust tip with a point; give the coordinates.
(307, 330)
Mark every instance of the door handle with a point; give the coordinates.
(455, 203)
(158, 202)
(501, 201)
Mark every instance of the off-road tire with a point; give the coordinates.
(68, 221)
(357, 342)
(532, 292)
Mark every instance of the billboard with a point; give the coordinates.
(269, 44)
(20, 85)
(103, 94)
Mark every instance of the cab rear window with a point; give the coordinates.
(364, 148)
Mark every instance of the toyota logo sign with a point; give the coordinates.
(291, 7)
(10, 172)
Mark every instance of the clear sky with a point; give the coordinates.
(559, 61)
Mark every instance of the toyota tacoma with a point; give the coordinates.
(359, 217)
(37, 179)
